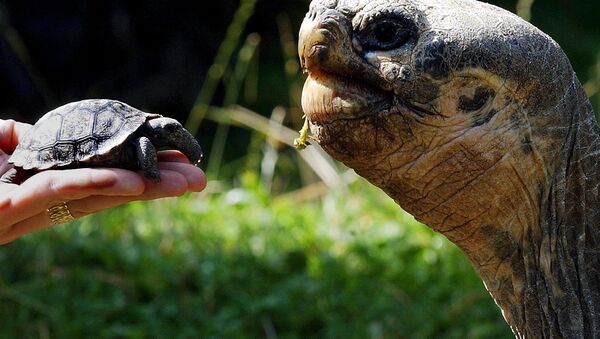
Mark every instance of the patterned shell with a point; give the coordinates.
(77, 132)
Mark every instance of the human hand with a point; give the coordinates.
(23, 208)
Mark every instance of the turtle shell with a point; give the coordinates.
(82, 131)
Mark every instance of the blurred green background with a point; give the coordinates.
(282, 244)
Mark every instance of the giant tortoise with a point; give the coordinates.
(474, 122)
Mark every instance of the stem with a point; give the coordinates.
(217, 70)
(232, 92)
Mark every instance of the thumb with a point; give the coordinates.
(10, 131)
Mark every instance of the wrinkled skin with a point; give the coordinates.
(474, 122)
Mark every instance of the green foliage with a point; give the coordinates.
(237, 263)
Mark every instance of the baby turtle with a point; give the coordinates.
(99, 133)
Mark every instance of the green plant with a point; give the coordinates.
(237, 263)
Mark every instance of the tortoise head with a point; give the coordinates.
(438, 101)
(167, 133)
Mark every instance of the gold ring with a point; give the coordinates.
(60, 214)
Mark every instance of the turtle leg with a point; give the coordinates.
(146, 154)
(14, 176)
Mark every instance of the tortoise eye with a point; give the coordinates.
(385, 34)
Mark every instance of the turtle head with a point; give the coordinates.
(167, 133)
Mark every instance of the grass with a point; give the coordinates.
(236, 263)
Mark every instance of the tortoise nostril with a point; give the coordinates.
(314, 57)
(325, 40)
(315, 38)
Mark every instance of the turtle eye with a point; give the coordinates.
(384, 35)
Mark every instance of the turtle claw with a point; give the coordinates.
(153, 175)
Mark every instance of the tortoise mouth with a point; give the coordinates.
(328, 97)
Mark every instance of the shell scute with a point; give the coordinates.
(82, 131)
(75, 125)
(63, 153)
(107, 124)
(45, 134)
(86, 149)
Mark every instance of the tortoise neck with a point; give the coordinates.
(556, 267)
(570, 226)
(529, 223)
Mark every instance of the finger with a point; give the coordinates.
(44, 189)
(10, 131)
(172, 184)
(172, 156)
(77, 208)
(32, 224)
(177, 178)
(196, 179)
(95, 204)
